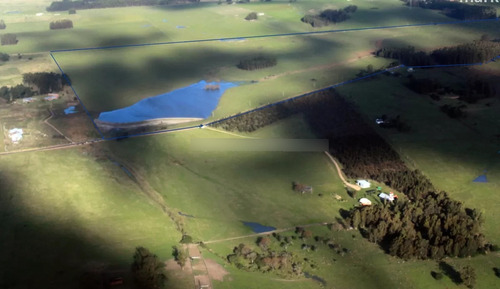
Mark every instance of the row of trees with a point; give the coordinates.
(44, 82)
(469, 53)
(33, 84)
(61, 24)
(15, 92)
(8, 39)
(258, 62)
(470, 91)
(329, 16)
(457, 10)
(93, 4)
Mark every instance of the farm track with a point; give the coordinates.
(341, 175)
(46, 121)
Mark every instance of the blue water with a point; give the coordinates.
(70, 110)
(258, 228)
(481, 179)
(192, 101)
(180, 26)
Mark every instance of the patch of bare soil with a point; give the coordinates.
(215, 270)
(171, 265)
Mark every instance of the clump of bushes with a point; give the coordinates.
(329, 16)
(2, 24)
(4, 57)
(61, 24)
(251, 16)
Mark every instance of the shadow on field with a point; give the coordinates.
(40, 254)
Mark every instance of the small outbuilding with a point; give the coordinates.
(364, 184)
(365, 202)
(15, 135)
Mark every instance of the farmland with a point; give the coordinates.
(77, 213)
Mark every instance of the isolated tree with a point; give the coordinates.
(148, 271)
(468, 276)
(2, 24)
(71, 11)
(251, 16)
(180, 255)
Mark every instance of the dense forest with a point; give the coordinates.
(93, 4)
(428, 225)
(329, 16)
(469, 53)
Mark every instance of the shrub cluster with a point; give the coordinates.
(329, 16)
(61, 24)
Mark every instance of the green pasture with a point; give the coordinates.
(221, 189)
(135, 25)
(364, 266)
(66, 212)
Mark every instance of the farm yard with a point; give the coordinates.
(76, 213)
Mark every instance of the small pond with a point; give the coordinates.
(258, 228)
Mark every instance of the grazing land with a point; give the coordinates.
(73, 216)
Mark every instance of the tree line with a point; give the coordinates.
(329, 16)
(470, 91)
(34, 84)
(258, 62)
(428, 225)
(8, 39)
(61, 24)
(94, 4)
(457, 10)
(475, 52)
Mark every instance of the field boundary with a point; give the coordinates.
(103, 137)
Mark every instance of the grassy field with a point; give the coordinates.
(65, 212)
(222, 189)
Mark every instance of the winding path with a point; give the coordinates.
(341, 175)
